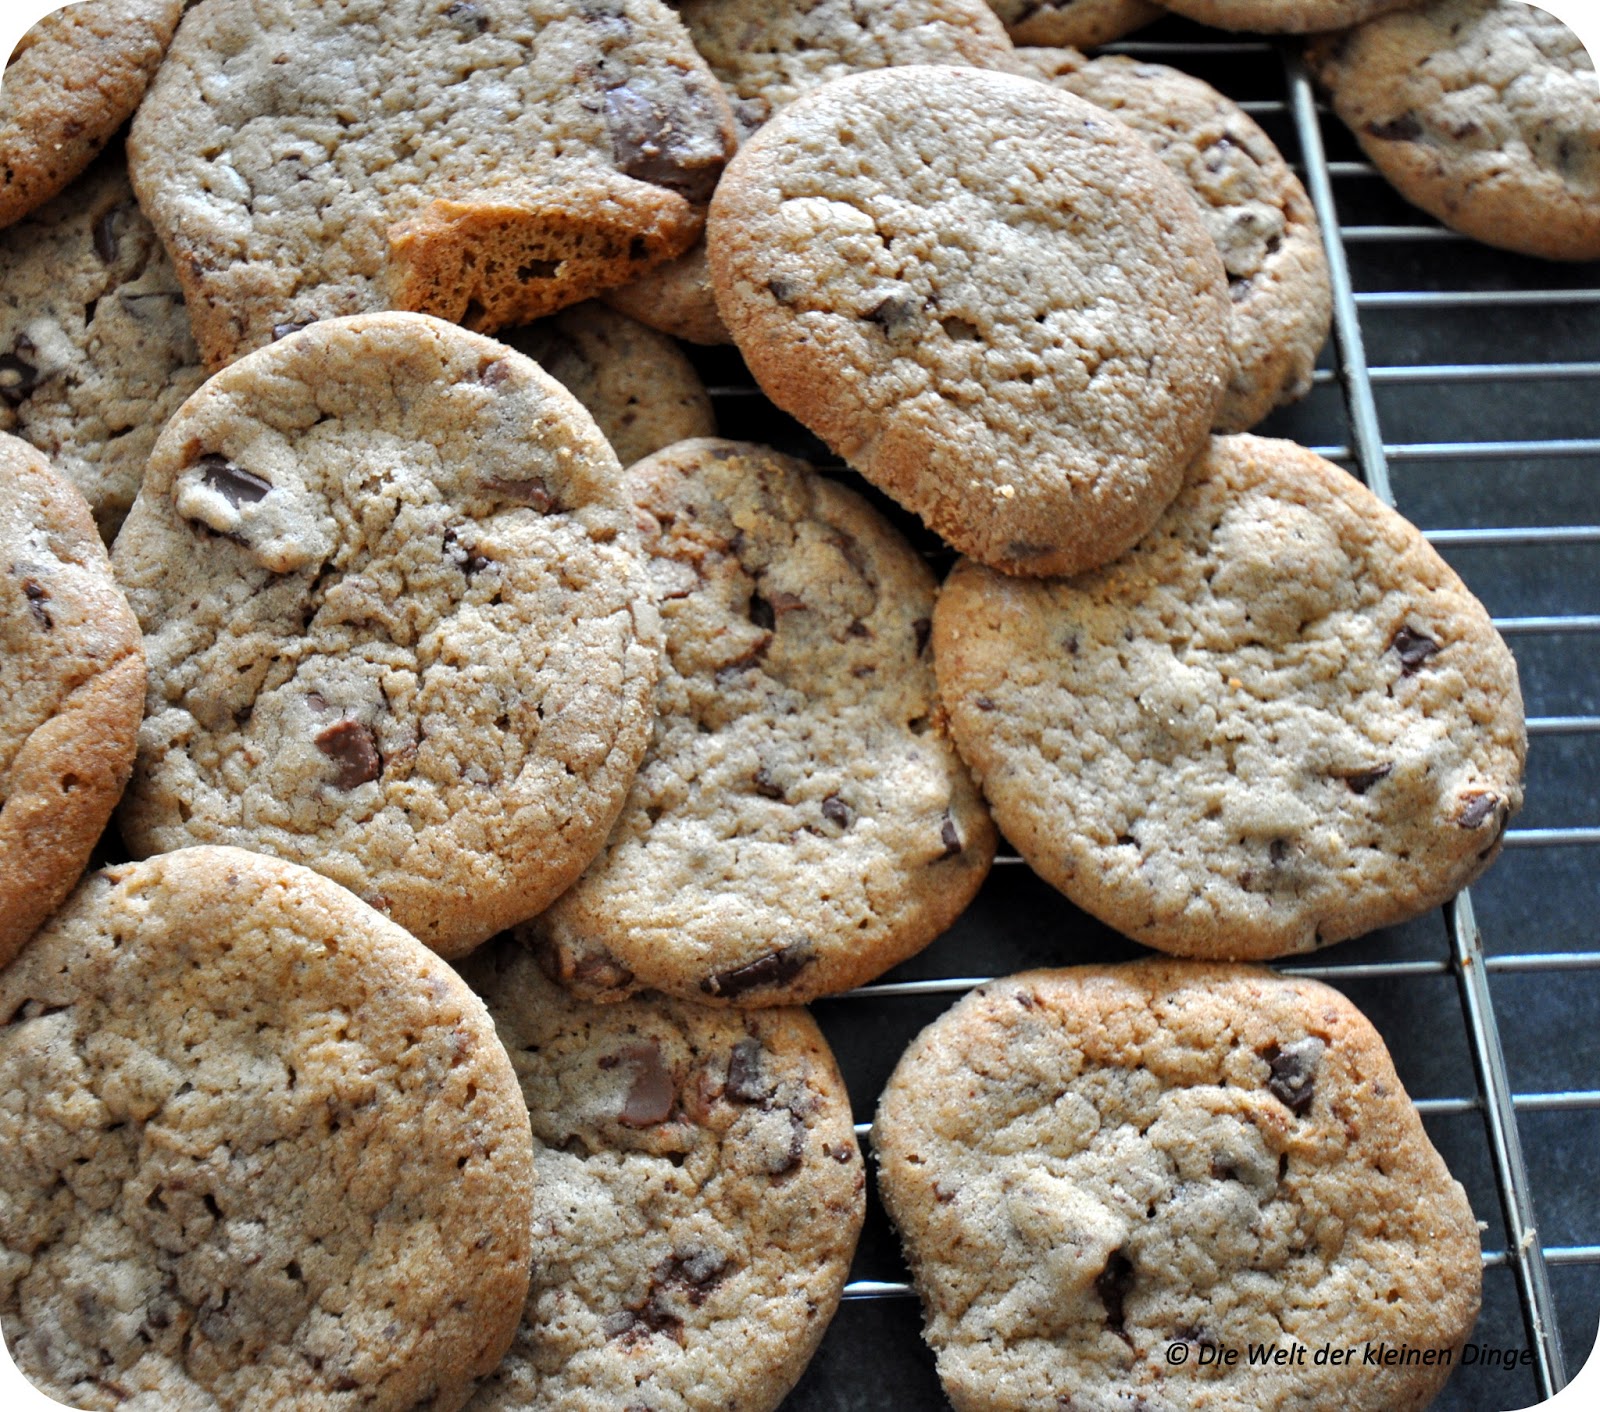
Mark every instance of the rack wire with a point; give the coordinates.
(1456, 949)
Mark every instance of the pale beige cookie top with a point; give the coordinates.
(636, 383)
(488, 161)
(71, 82)
(1024, 353)
(1251, 202)
(1280, 721)
(72, 683)
(95, 349)
(769, 52)
(398, 625)
(1097, 1173)
(1074, 22)
(801, 821)
(263, 1151)
(698, 1198)
(1485, 113)
(1283, 16)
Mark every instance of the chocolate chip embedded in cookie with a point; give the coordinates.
(1485, 113)
(262, 1150)
(70, 84)
(488, 162)
(990, 298)
(1099, 1172)
(1280, 721)
(73, 681)
(398, 623)
(801, 821)
(698, 1196)
(1281, 303)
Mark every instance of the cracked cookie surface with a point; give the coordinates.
(70, 84)
(95, 348)
(1282, 720)
(1280, 300)
(263, 1151)
(1485, 113)
(801, 821)
(1090, 1167)
(990, 299)
(398, 624)
(72, 683)
(637, 384)
(698, 1198)
(488, 161)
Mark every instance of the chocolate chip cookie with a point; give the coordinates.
(398, 625)
(71, 82)
(1282, 16)
(262, 1150)
(1280, 721)
(1100, 1173)
(636, 383)
(480, 160)
(1074, 22)
(1485, 113)
(1251, 202)
(97, 352)
(72, 683)
(801, 821)
(698, 1198)
(992, 300)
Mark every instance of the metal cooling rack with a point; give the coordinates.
(1415, 285)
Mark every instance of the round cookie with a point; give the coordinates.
(1074, 22)
(1485, 113)
(398, 626)
(698, 1198)
(675, 297)
(95, 349)
(1099, 1172)
(992, 300)
(636, 383)
(1251, 202)
(72, 682)
(1280, 721)
(262, 1151)
(70, 84)
(801, 821)
(1282, 16)
(485, 161)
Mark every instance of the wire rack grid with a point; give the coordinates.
(1481, 369)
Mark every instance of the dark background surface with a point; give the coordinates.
(1535, 900)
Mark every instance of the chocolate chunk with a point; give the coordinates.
(18, 377)
(1476, 807)
(950, 837)
(896, 314)
(1414, 648)
(922, 629)
(775, 968)
(765, 785)
(1294, 1072)
(1113, 1285)
(1405, 128)
(354, 747)
(858, 629)
(105, 234)
(467, 17)
(37, 598)
(837, 811)
(466, 560)
(524, 492)
(794, 1154)
(747, 1082)
(284, 330)
(233, 483)
(655, 146)
(761, 613)
(698, 1272)
(783, 290)
(651, 1095)
(1239, 288)
(1363, 780)
(1278, 850)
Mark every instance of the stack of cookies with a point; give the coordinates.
(506, 758)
